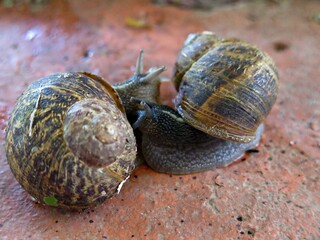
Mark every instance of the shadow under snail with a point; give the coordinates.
(69, 142)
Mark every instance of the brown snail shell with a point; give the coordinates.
(49, 118)
(226, 86)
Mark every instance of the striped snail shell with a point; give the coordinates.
(226, 87)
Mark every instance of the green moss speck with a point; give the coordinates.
(51, 201)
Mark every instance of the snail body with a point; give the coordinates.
(226, 88)
(170, 145)
(69, 142)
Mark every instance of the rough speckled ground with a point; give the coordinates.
(272, 194)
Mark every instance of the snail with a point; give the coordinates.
(69, 142)
(226, 88)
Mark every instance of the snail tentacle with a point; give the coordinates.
(139, 64)
(140, 85)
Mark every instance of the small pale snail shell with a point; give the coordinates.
(68, 141)
(226, 89)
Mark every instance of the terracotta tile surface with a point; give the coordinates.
(271, 194)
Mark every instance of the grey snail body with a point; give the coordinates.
(170, 145)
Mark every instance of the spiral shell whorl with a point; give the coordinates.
(37, 151)
(95, 131)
